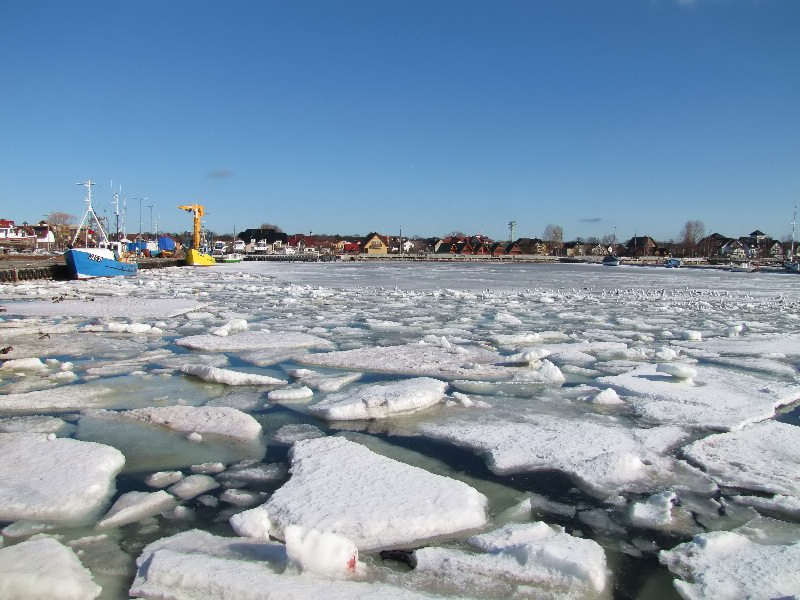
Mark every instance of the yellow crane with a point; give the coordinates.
(194, 256)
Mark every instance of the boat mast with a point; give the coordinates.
(794, 219)
(88, 215)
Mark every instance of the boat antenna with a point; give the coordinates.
(88, 215)
(115, 202)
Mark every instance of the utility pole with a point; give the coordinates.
(511, 226)
(151, 218)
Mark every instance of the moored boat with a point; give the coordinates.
(611, 260)
(673, 263)
(104, 258)
(233, 257)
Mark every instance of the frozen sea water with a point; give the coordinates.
(587, 398)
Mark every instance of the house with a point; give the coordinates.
(532, 246)
(736, 250)
(301, 243)
(375, 243)
(641, 246)
(18, 237)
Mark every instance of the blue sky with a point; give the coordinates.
(348, 117)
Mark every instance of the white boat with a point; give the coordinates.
(260, 247)
(104, 258)
(610, 260)
(219, 249)
(743, 267)
(233, 257)
(239, 246)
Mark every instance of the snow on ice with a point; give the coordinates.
(58, 480)
(376, 502)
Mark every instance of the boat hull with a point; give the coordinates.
(611, 261)
(195, 258)
(230, 258)
(88, 263)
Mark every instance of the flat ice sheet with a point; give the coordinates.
(376, 502)
(601, 459)
(428, 360)
(105, 307)
(728, 565)
(763, 457)
(716, 398)
(57, 480)
(253, 340)
(381, 401)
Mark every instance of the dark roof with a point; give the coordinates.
(269, 235)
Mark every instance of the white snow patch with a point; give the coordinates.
(44, 569)
(58, 480)
(377, 502)
(381, 401)
(228, 376)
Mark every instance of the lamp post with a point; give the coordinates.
(151, 218)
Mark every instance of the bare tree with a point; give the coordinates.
(691, 234)
(271, 226)
(59, 224)
(554, 236)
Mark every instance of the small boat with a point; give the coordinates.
(233, 257)
(197, 256)
(611, 260)
(219, 249)
(743, 267)
(673, 263)
(105, 258)
(239, 246)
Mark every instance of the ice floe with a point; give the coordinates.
(376, 502)
(602, 459)
(44, 569)
(728, 565)
(764, 457)
(57, 480)
(94, 306)
(382, 400)
(229, 376)
(253, 340)
(660, 397)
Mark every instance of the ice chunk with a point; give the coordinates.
(219, 420)
(51, 479)
(322, 382)
(601, 459)
(763, 457)
(677, 370)
(289, 434)
(61, 399)
(527, 554)
(36, 424)
(23, 364)
(228, 376)
(232, 326)
(44, 569)
(253, 340)
(253, 523)
(607, 396)
(381, 401)
(136, 506)
(719, 399)
(192, 486)
(290, 394)
(195, 564)
(726, 565)
(321, 551)
(418, 360)
(343, 487)
(117, 306)
(162, 479)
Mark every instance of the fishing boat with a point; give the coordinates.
(196, 256)
(233, 257)
(103, 259)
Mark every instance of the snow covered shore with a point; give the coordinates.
(394, 430)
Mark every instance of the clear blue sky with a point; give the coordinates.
(434, 116)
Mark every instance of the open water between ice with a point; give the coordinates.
(575, 430)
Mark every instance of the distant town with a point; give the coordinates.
(55, 234)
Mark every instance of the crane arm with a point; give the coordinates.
(198, 212)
